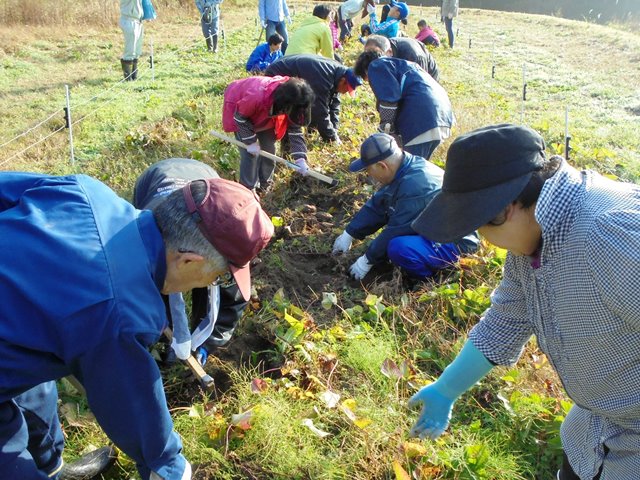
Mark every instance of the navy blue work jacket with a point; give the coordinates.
(422, 102)
(396, 205)
(80, 274)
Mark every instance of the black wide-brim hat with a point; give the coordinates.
(486, 170)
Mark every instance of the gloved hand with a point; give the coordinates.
(336, 140)
(360, 268)
(435, 415)
(342, 243)
(289, 20)
(384, 128)
(201, 355)
(264, 24)
(303, 168)
(449, 16)
(254, 149)
(438, 398)
(371, 9)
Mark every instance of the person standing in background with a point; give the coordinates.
(346, 12)
(209, 20)
(449, 11)
(131, 14)
(273, 14)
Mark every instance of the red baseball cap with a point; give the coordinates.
(231, 218)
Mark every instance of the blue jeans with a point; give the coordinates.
(448, 23)
(31, 440)
(281, 28)
(211, 28)
(424, 150)
(419, 257)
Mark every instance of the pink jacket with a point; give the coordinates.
(251, 97)
(427, 32)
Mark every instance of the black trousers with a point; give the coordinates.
(567, 473)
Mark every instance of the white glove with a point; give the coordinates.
(371, 9)
(449, 16)
(337, 141)
(254, 149)
(289, 20)
(360, 268)
(303, 168)
(342, 243)
(264, 24)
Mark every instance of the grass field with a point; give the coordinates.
(372, 345)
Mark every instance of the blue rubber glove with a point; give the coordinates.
(438, 398)
(201, 355)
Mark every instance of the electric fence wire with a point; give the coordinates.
(165, 61)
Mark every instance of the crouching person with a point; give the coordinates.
(408, 184)
(215, 309)
(571, 278)
(101, 267)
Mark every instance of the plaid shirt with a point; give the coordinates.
(583, 305)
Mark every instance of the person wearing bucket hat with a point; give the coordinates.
(570, 278)
(411, 104)
(408, 183)
(215, 309)
(391, 25)
(328, 79)
(261, 110)
(101, 266)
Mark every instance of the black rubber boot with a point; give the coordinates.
(134, 70)
(127, 67)
(214, 43)
(89, 465)
(209, 44)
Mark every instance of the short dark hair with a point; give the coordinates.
(275, 39)
(422, 23)
(294, 97)
(364, 60)
(322, 11)
(531, 192)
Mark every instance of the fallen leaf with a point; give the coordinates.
(390, 370)
(412, 450)
(258, 385)
(330, 398)
(362, 423)
(242, 420)
(329, 299)
(401, 473)
(307, 422)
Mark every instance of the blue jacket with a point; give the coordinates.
(262, 57)
(389, 28)
(398, 204)
(422, 103)
(80, 275)
(273, 10)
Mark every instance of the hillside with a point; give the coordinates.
(310, 329)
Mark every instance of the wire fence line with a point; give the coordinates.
(475, 47)
(166, 60)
